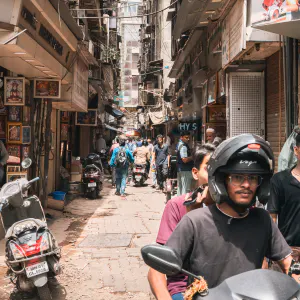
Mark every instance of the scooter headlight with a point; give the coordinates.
(28, 225)
(16, 251)
(45, 242)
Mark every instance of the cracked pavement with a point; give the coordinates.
(101, 241)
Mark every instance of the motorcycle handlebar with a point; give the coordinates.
(28, 185)
(34, 180)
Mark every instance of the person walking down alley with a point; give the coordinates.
(121, 157)
(161, 160)
(115, 145)
(100, 143)
(184, 164)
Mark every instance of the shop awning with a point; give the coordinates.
(113, 111)
(287, 28)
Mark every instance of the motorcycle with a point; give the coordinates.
(31, 251)
(139, 174)
(257, 284)
(171, 183)
(104, 160)
(93, 175)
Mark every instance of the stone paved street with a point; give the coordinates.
(101, 242)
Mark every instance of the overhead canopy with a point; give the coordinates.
(113, 111)
(288, 28)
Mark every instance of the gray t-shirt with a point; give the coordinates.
(161, 154)
(217, 247)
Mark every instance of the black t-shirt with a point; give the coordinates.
(285, 201)
(217, 247)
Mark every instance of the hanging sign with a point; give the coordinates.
(187, 126)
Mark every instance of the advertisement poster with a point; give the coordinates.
(275, 11)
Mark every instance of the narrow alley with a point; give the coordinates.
(101, 242)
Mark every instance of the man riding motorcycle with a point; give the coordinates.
(232, 236)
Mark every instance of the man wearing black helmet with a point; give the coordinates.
(232, 237)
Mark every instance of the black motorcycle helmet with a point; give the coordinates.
(242, 154)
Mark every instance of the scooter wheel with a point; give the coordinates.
(44, 292)
(94, 194)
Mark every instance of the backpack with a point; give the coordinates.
(121, 158)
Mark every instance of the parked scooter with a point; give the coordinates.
(93, 175)
(139, 174)
(256, 284)
(32, 253)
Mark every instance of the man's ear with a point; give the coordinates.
(195, 173)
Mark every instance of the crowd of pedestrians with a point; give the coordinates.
(245, 177)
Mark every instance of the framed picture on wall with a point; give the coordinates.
(47, 88)
(13, 168)
(26, 134)
(2, 127)
(216, 113)
(14, 90)
(15, 176)
(25, 152)
(15, 113)
(14, 133)
(64, 128)
(87, 118)
(64, 116)
(14, 152)
(212, 89)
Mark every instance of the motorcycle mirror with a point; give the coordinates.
(162, 258)
(26, 163)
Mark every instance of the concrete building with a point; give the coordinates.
(129, 50)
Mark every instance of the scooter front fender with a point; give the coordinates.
(40, 280)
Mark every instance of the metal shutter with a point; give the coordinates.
(247, 113)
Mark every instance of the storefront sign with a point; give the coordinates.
(50, 39)
(47, 88)
(187, 126)
(37, 25)
(234, 32)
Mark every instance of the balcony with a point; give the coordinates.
(194, 13)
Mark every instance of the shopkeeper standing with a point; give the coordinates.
(3, 159)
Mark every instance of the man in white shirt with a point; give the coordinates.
(100, 143)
